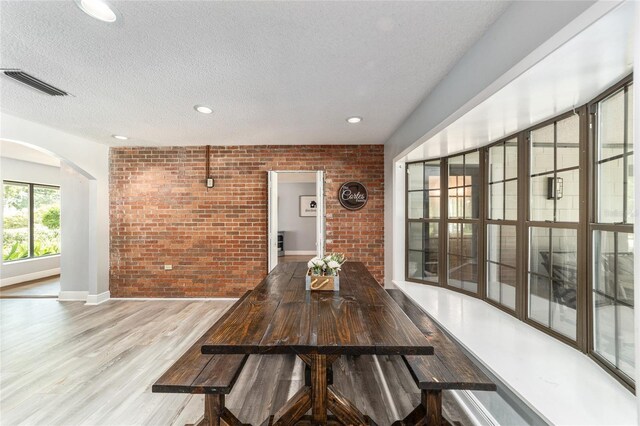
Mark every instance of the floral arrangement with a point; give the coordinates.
(327, 266)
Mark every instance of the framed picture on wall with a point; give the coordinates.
(308, 205)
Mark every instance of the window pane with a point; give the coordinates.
(416, 205)
(416, 176)
(415, 264)
(568, 206)
(511, 159)
(511, 200)
(542, 150)
(568, 142)
(501, 275)
(564, 272)
(493, 285)
(541, 208)
(46, 221)
(631, 204)
(630, 118)
(539, 256)
(604, 260)
(496, 163)
(496, 201)
(433, 204)
(415, 235)
(539, 293)
(432, 175)
(604, 329)
(613, 298)
(431, 252)
(15, 221)
(611, 126)
(463, 260)
(624, 268)
(456, 180)
(610, 191)
(472, 181)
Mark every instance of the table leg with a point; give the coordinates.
(213, 406)
(432, 401)
(319, 388)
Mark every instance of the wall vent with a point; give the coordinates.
(33, 82)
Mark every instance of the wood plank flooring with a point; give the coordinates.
(64, 363)
(46, 287)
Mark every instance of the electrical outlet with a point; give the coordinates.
(210, 182)
(168, 267)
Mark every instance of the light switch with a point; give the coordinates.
(168, 267)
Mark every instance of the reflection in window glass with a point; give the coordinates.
(464, 191)
(553, 278)
(15, 221)
(554, 185)
(612, 276)
(423, 211)
(463, 256)
(503, 182)
(501, 264)
(615, 159)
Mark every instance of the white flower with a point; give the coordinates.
(327, 259)
(319, 263)
(333, 264)
(310, 264)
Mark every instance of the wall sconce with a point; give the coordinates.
(555, 188)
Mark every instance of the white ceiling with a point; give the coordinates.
(274, 72)
(569, 77)
(18, 151)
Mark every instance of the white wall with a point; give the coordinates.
(523, 35)
(299, 232)
(29, 269)
(75, 197)
(91, 160)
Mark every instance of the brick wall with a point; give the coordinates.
(216, 239)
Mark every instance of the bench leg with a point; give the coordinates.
(213, 408)
(432, 401)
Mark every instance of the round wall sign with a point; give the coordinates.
(353, 195)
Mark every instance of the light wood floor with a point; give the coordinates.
(46, 287)
(64, 363)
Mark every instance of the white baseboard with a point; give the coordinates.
(68, 296)
(96, 299)
(181, 299)
(29, 277)
(299, 252)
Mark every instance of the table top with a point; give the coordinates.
(280, 316)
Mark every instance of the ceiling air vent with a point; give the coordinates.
(33, 82)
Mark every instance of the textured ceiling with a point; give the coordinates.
(274, 72)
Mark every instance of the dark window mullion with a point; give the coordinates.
(31, 222)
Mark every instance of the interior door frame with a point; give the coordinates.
(272, 214)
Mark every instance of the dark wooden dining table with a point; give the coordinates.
(281, 317)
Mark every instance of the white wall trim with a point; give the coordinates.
(68, 296)
(300, 253)
(181, 299)
(96, 299)
(29, 277)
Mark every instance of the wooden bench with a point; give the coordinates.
(211, 375)
(449, 368)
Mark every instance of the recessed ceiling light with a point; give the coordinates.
(120, 137)
(97, 9)
(203, 109)
(354, 120)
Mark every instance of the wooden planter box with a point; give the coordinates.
(322, 282)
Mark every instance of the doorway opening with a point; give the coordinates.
(296, 216)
